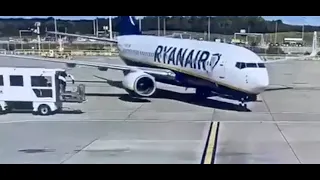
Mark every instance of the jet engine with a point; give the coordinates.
(139, 83)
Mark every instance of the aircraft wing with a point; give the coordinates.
(83, 36)
(100, 65)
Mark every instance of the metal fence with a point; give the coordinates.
(73, 52)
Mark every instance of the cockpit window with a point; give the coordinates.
(240, 65)
(243, 65)
(251, 65)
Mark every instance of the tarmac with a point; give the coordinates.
(111, 127)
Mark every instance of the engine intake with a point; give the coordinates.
(140, 84)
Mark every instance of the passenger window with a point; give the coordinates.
(251, 65)
(16, 81)
(1, 80)
(41, 81)
(261, 65)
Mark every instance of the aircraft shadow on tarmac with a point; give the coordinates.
(166, 94)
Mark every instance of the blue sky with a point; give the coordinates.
(298, 20)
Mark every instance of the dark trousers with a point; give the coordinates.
(63, 86)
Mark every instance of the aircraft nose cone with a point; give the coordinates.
(261, 83)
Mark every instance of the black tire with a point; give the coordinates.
(245, 106)
(44, 110)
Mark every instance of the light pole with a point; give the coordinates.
(276, 33)
(110, 28)
(55, 28)
(302, 32)
(209, 28)
(158, 25)
(94, 27)
(97, 23)
(140, 24)
(38, 24)
(164, 25)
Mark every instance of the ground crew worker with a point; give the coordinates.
(63, 81)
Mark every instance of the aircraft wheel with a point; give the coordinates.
(244, 105)
(242, 102)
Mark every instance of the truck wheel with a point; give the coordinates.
(44, 110)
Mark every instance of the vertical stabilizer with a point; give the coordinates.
(314, 44)
(129, 26)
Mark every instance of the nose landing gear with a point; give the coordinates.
(249, 98)
(243, 103)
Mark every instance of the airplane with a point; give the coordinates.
(210, 67)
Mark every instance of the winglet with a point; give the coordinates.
(314, 44)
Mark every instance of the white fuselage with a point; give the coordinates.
(220, 63)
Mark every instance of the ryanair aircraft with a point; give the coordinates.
(225, 69)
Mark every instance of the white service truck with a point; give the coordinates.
(37, 89)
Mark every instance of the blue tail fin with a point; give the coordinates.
(128, 26)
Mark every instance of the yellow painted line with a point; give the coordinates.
(211, 144)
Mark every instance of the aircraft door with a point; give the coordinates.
(222, 69)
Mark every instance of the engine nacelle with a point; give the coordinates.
(140, 83)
